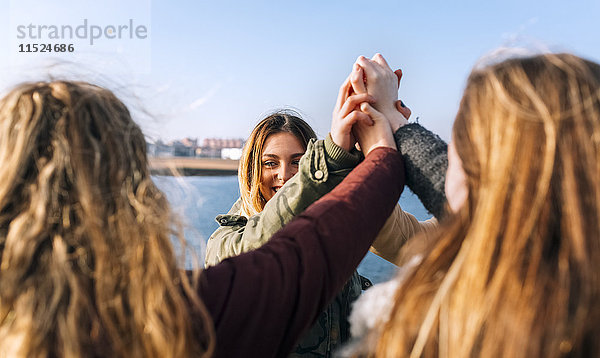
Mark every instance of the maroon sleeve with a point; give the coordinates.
(263, 300)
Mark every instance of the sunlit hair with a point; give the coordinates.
(516, 272)
(250, 170)
(87, 266)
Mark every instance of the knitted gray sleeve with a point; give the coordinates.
(425, 160)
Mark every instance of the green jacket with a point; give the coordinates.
(323, 166)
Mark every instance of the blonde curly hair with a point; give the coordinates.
(87, 267)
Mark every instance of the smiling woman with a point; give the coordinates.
(281, 146)
(281, 157)
(270, 158)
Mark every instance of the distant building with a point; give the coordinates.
(206, 152)
(231, 153)
(182, 150)
(229, 148)
(220, 143)
(159, 149)
(225, 148)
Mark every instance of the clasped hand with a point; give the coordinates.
(367, 108)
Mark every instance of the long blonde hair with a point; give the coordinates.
(250, 170)
(87, 266)
(516, 272)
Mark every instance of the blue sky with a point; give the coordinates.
(213, 69)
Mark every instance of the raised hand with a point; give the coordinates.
(379, 134)
(346, 113)
(377, 78)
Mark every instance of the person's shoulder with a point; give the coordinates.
(236, 208)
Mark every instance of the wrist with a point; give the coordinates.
(339, 140)
(380, 144)
(338, 157)
(395, 118)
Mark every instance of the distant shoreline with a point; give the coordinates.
(192, 166)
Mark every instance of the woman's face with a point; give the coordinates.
(456, 180)
(280, 158)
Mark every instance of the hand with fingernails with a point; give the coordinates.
(346, 113)
(377, 134)
(382, 93)
(376, 78)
